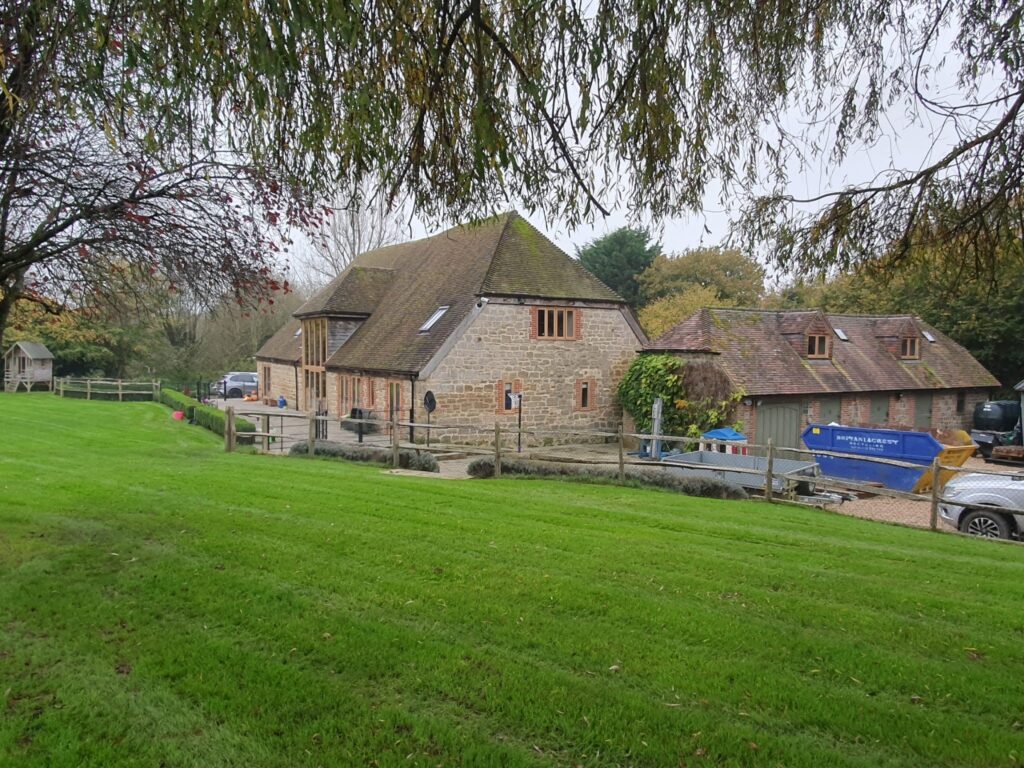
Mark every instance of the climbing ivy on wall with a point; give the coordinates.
(697, 395)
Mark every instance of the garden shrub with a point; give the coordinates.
(420, 461)
(691, 486)
(179, 402)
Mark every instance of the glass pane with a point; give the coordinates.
(561, 325)
(584, 395)
(569, 326)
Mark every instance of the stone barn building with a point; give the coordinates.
(803, 366)
(475, 315)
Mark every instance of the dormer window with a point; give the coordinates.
(909, 349)
(432, 320)
(817, 346)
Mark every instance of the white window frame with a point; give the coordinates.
(432, 320)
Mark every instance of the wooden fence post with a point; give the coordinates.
(769, 488)
(120, 391)
(229, 429)
(265, 429)
(933, 520)
(156, 390)
(62, 381)
(497, 449)
(622, 457)
(311, 442)
(88, 389)
(395, 451)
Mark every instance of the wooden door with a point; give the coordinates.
(880, 411)
(830, 410)
(781, 422)
(923, 410)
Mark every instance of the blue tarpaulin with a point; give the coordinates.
(724, 433)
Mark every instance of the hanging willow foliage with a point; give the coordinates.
(568, 107)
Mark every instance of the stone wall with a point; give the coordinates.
(497, 349)
(282, 382)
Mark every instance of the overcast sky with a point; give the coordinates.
(908, 142)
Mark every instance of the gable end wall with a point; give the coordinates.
(501, 345)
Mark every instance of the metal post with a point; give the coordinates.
(311, 442)
(622, 457)
(656, 409)
(769, 488)
(933, 520)
(265, 428)
(229, 429)
(519, 439)
(395, 457)
(497, 449)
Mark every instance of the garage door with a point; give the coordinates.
(781, 422)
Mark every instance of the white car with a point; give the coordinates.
(962, 501)
(238, 384)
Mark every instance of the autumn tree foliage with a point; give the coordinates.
(91, 197)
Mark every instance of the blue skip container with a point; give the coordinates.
(911, 447)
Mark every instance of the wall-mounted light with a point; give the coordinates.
(747, 401)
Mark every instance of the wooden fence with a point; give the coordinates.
(107, 389)
(502, 442)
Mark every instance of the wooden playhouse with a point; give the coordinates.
(28, 364)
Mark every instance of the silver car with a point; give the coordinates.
(238, 384)
(963, 496)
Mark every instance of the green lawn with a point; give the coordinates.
(163, 603)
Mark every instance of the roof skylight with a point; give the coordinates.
(928, 335)
(841, 334)
(432, 320)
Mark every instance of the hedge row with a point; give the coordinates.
(214, 420)
(690, 486)
(205, 415)
(179, 402)
(421, 461)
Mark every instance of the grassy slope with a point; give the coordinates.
(163, 601)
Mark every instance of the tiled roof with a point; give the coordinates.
(356, 291)
(284, 346)
(398, 287)
(753, 349)
(526, 263)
